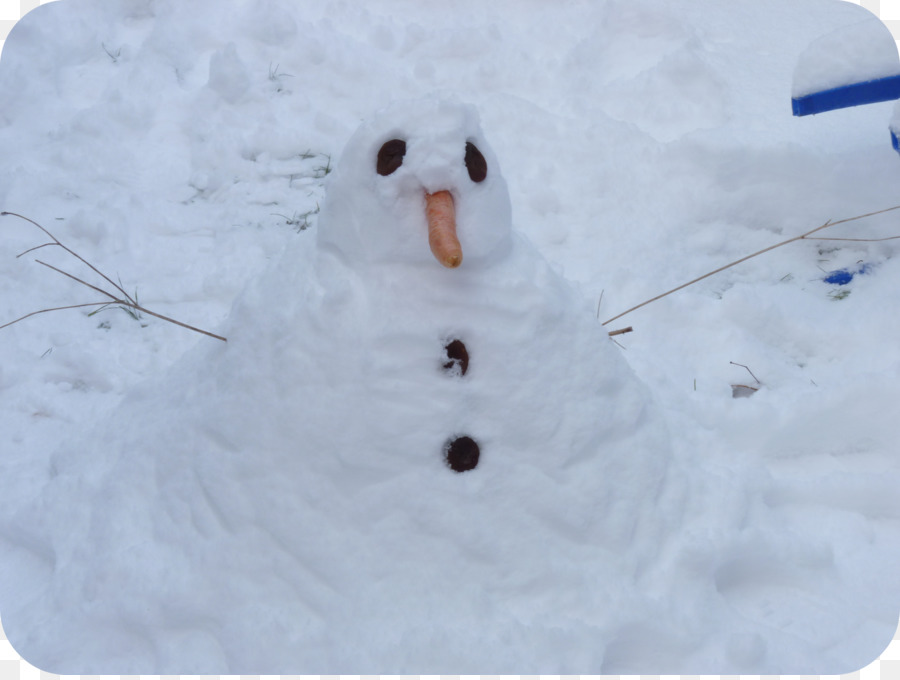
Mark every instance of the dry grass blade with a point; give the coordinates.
(85, 283)
(801, 237)
(734, 363)
(57, 242)
(124, 300)
(859, 240)
(53, 309)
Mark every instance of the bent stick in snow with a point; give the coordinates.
(125, 300)
(801, 237)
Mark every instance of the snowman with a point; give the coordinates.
(418, 450)
(391, 211)
(417, 214)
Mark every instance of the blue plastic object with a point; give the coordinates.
(868, 92)
(895, 141)
(841, 277)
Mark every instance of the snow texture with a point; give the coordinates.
(857, 53)
(280, 503)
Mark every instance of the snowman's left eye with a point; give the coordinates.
(390, 156)
(475, 163)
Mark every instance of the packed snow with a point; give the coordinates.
(714, 492)
(857, 53)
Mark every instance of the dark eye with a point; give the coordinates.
(390, 156)
(475, 163)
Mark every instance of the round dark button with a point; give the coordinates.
(461, 454)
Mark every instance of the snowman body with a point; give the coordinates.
(289, 489)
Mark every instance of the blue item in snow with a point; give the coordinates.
(869, 92)
(841, 277)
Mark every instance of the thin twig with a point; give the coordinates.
(177, 323)
(863, 240)
(612, 334)
(54, 309)
(83, 283)
(132, 305)
(31, 250)
(128, 301)
(748, 257)
(746, 387)
(71, 252)
(748, 371)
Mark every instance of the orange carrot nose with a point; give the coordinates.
(442, 238)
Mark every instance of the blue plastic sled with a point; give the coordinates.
(869, 47)
(869, 92)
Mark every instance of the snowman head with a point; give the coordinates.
(417, 184)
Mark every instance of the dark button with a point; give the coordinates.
(458, 356)
(461, 454)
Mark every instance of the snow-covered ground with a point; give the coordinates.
(278, 503)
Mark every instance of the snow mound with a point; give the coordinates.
(857, 53)
(288, 499)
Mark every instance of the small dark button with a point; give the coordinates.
(458, 357)
(461, 454)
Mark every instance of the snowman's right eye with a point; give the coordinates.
(390, 156)
(475, 163)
